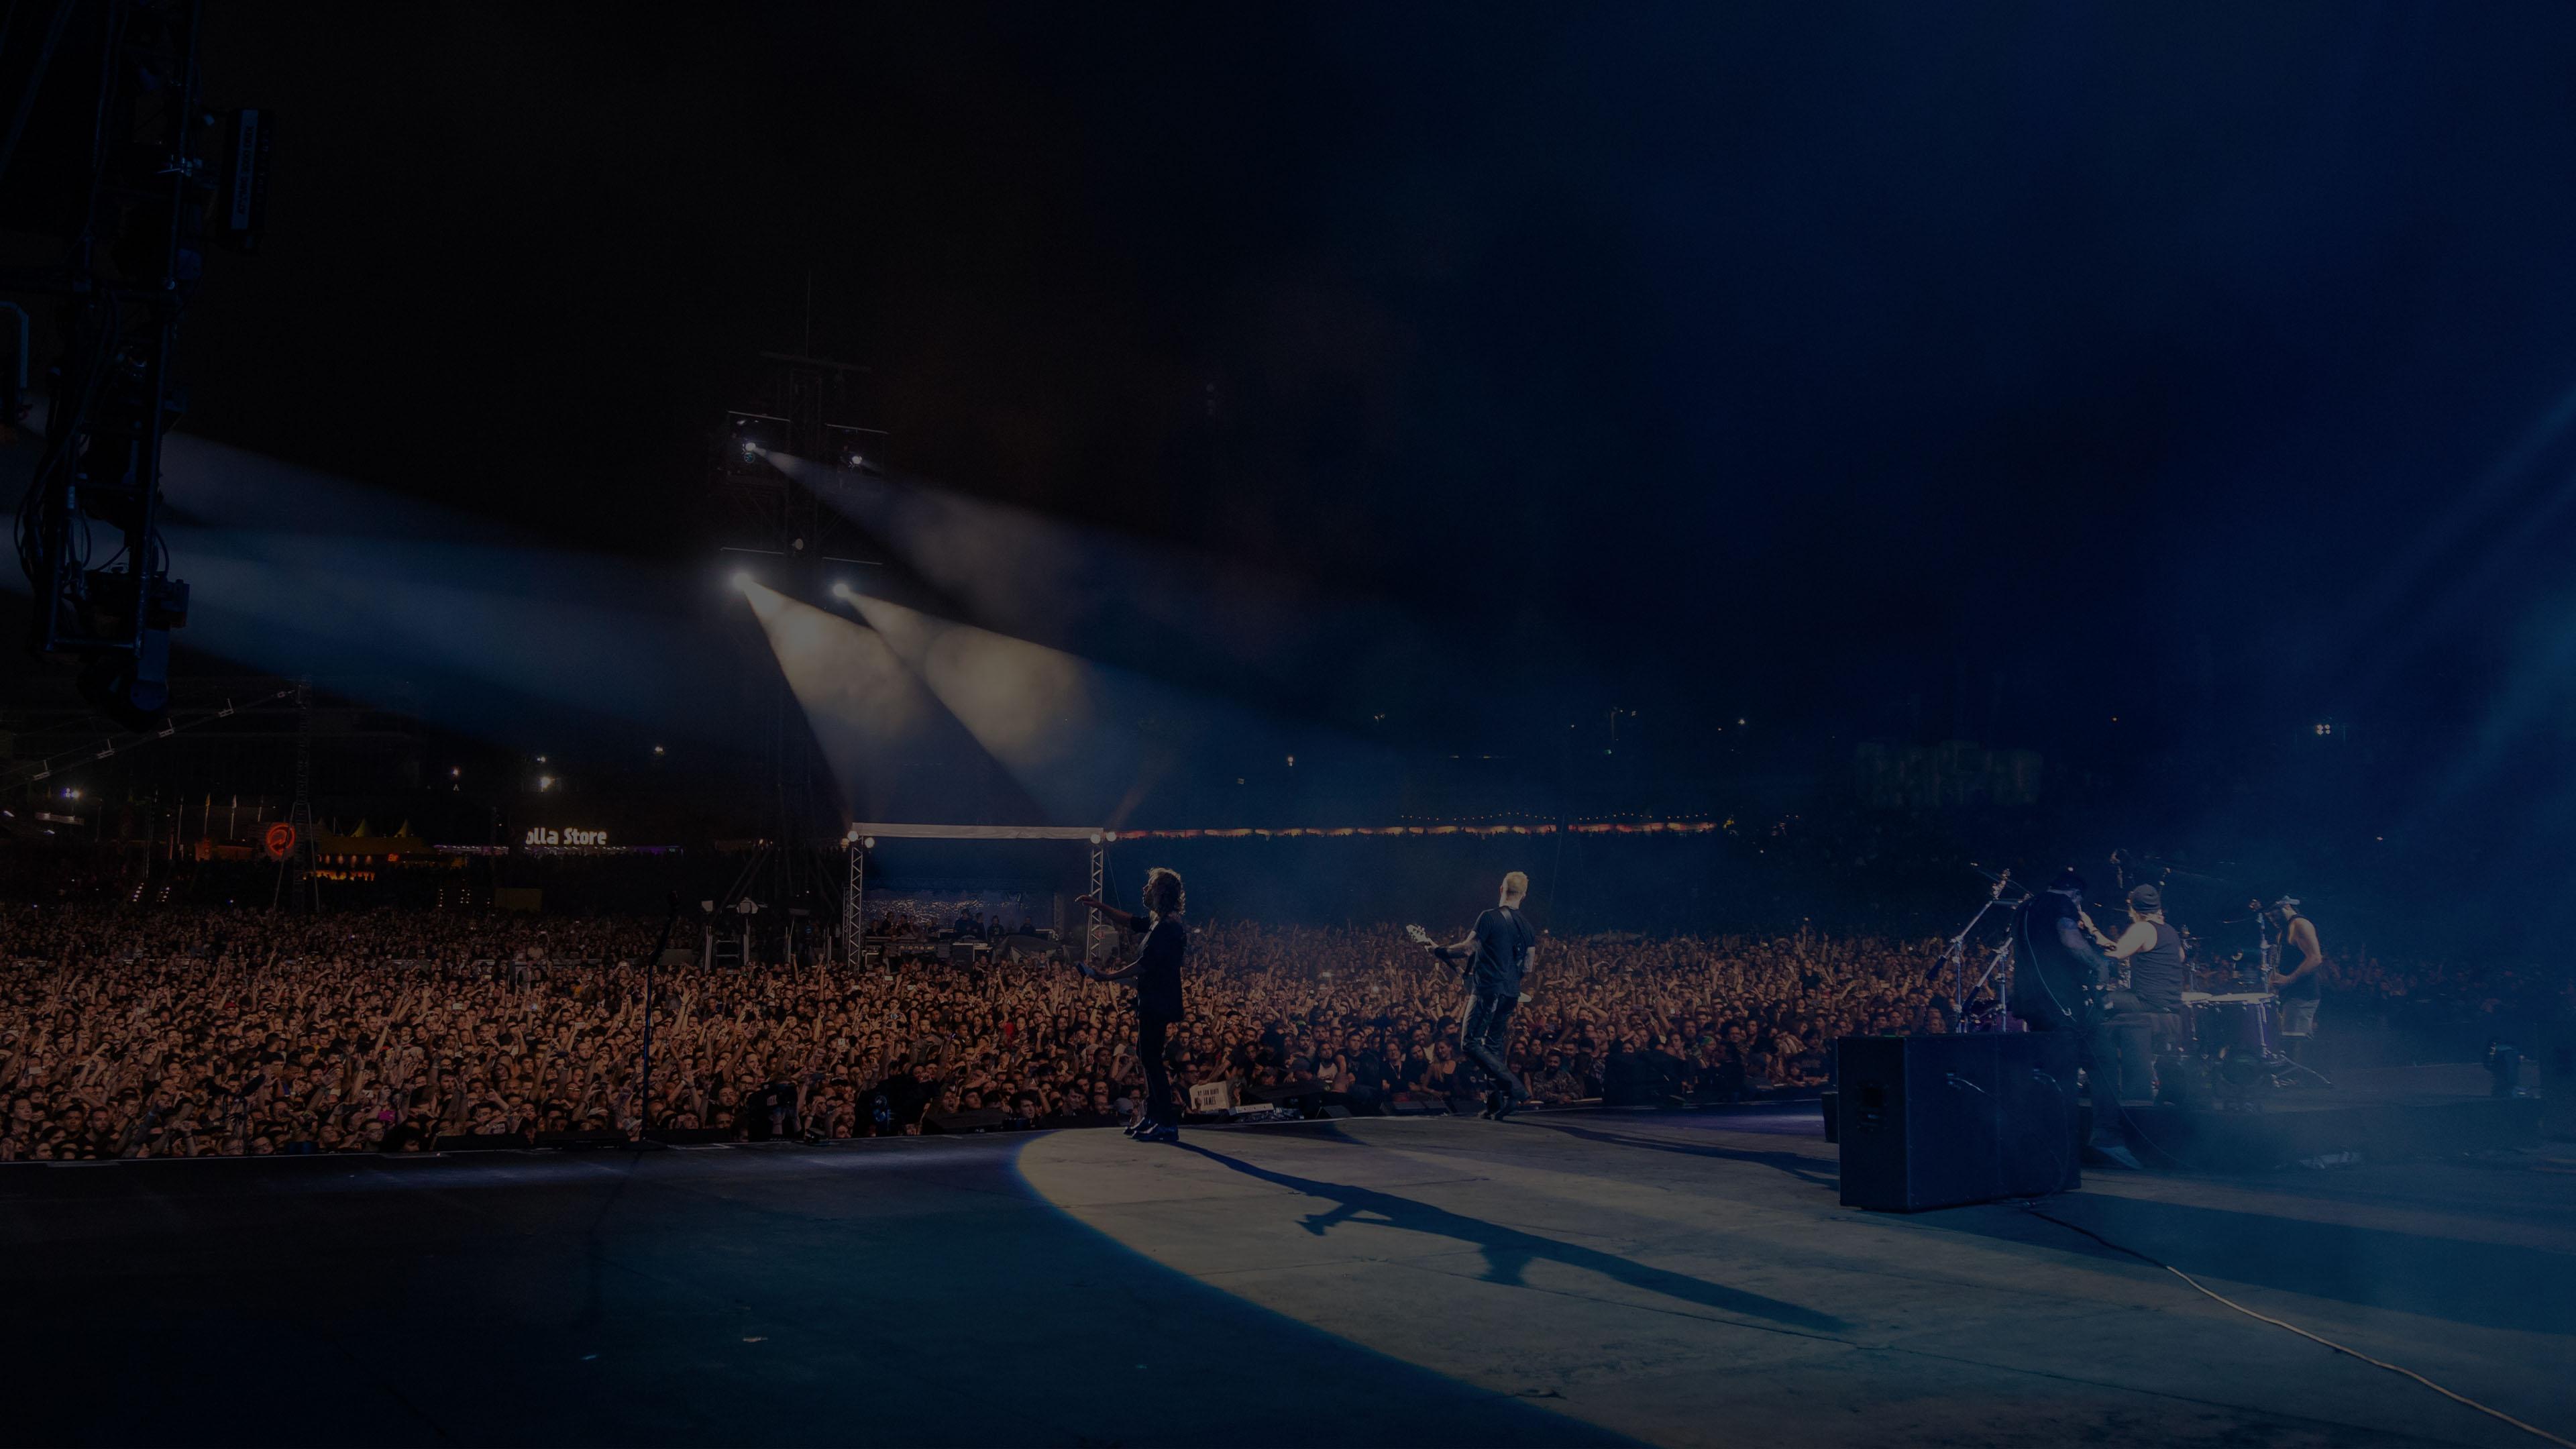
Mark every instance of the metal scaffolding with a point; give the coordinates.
(863, 836)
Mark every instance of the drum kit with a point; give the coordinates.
(2224, 1047)
(2232, 1020)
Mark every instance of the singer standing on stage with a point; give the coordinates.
(1498, 952)
(1156, 972)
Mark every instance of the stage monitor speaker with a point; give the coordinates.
(1939, 1121)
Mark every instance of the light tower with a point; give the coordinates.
(781, 531)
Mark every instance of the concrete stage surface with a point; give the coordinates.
(1569, 1278)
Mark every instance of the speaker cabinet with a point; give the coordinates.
(1938, 1121)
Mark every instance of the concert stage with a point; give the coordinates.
(2376, 1114)
(1676, 1278)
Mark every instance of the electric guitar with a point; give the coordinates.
(1421, 937)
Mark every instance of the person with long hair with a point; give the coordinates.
(1156, 974)
(2057, 985)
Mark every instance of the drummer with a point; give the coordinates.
(2150, 954)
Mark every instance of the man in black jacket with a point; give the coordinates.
(1156, 972)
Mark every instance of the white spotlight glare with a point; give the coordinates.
(742, 580)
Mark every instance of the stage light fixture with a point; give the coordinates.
(657, 749)
(545, 782)
(742, 580)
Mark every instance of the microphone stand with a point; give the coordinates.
(1954, 957)
(644, 1107)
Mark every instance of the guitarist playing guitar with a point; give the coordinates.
(1498, 953)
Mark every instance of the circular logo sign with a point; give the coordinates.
(280, 840)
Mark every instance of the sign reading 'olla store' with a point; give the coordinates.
(539, 835)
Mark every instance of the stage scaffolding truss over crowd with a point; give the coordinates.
(863, 836)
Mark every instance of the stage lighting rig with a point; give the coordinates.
(107, 151)
(774, 509)
(853, 448)
(750, 436)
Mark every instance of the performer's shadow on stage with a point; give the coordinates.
(1509, 1251)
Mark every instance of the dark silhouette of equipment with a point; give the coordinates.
(105, 148)
(1938, 1121)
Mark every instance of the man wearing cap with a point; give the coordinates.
(2057, 984)
(2298, 985)
(2150, 951)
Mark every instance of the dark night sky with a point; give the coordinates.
(1725, 358)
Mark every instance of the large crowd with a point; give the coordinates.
(151, 1033)
(134, 1033)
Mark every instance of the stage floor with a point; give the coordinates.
(1668, 1278)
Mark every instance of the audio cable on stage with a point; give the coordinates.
(2204, 1288)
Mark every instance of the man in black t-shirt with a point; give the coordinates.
(1497, 953)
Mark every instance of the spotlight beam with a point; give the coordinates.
(888, 742)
